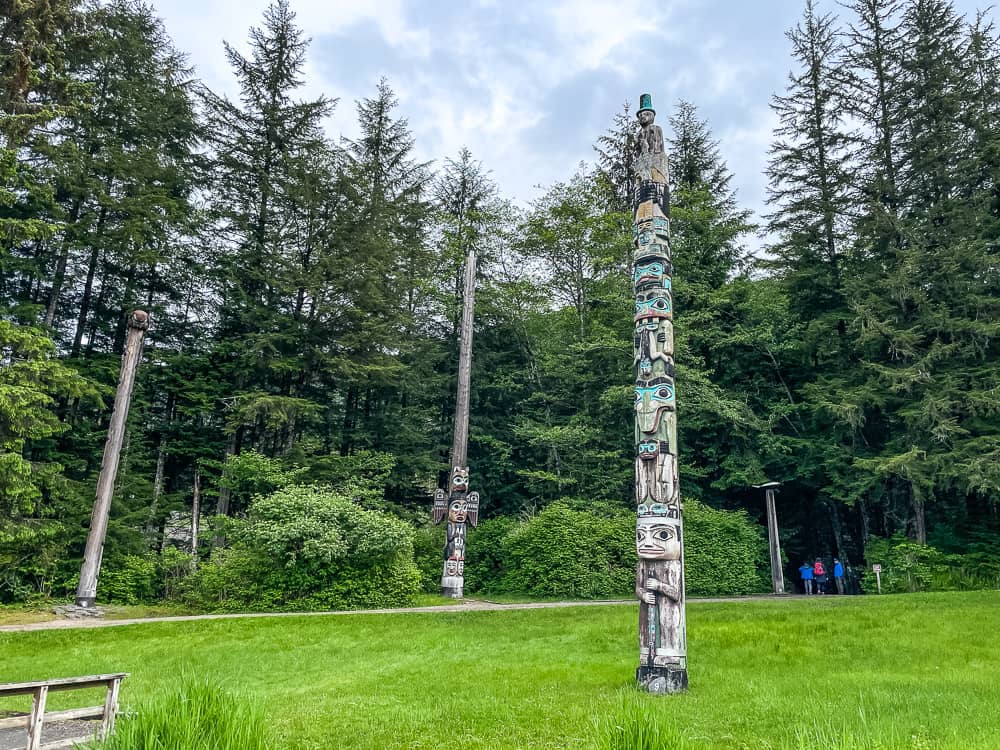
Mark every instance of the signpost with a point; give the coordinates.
(877, 570)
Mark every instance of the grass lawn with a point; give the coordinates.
(918, 672)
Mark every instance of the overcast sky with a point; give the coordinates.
(529, 85)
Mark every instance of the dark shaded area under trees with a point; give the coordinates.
(306, 295)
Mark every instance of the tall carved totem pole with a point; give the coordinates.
(457, 504)
(659, 578)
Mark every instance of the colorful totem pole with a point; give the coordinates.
(659, 580)
(457, 504)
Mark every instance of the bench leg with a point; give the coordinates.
(37, 718)
(110, 709)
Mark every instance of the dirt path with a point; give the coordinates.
(468, 605)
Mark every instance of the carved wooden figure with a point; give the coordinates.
(659, 580)
(457, 504)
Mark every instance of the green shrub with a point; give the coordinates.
(196, 715)
(309, 548)
(725, 553)
(565, 552)
(131, 579)
(428, 554)
(908, 567)
(485, 559)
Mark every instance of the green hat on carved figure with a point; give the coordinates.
(646, 104)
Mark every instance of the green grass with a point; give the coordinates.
(916, 672)
(195, 714)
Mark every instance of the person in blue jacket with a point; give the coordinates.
(838, 575)
(806, 572)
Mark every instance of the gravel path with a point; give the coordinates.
(15, 739)
(468, 605)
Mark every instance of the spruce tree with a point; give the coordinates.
(808, 177)
(270, 169)
(123, 174)
(928, 321)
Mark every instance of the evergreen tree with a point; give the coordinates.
(123, 172)
(34, 89)
(384, 232)
(616, 157)
(928, 321)
(808, 177)
(270, 175)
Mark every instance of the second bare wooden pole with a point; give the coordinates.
(86, 592)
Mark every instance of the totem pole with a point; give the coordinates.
(659, 579)
(457, 504)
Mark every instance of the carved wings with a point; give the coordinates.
(440, 505)
(473, 508)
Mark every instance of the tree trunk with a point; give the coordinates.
(161, 462)
(232, 449)
(196, 513)
(88, 290)
(919, 518)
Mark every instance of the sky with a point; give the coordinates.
(529, 85)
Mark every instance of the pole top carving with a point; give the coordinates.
(139, 319)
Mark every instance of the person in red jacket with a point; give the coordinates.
(819, 573)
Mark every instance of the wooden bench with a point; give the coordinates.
(37, 718)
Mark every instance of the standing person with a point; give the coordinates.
(819, 573)
(838, 575)
(806, 572)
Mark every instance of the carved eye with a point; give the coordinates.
(660, 303)
(663, 534)
(664, 393)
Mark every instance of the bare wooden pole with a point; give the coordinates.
(773, 543)
(460, 445)
(777, 574)
(460, 506)
(196, 513)
(86, 592)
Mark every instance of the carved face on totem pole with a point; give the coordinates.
(657, 537)
(460, 479)
(653, 399)
(454, 567)
(655, 303)
(652, 272)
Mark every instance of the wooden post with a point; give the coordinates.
(110, 708)
(773, 543)
(86, 592)
(460, 506)
(37, 719)
(659, 577)
(196, 513)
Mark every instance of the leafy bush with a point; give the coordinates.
(309, 548)
(725, 553)
(908, 567)
(131, 579)
(428, 554)
(564, 552)
(485, 554)
(196, 715)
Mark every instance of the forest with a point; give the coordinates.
(305, 292)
